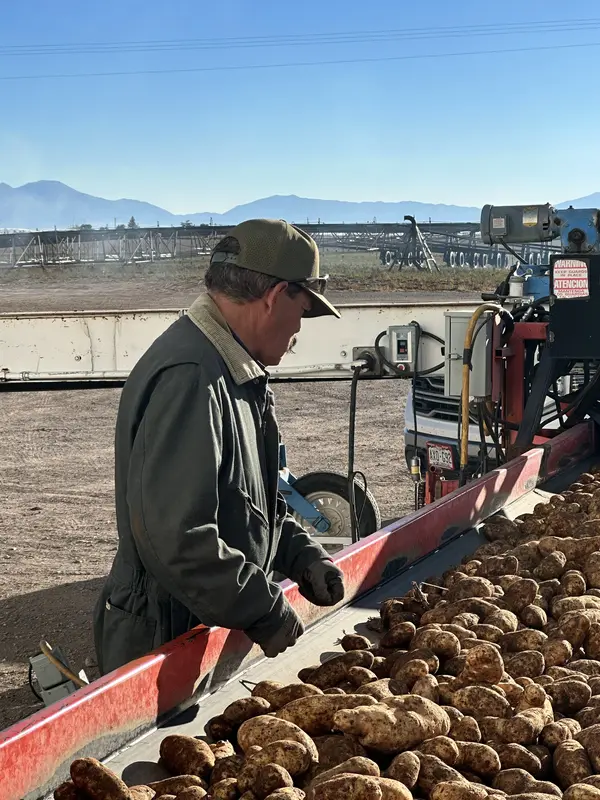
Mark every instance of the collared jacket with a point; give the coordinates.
(202, 527)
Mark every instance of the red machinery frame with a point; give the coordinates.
(97, 720)
(508, 382)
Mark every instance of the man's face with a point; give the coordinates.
(281, 322)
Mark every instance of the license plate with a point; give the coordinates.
(440, 456)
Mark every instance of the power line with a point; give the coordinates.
(303, 40)
(252, 67)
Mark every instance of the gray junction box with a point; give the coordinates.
(456, 324)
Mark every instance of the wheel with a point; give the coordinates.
(328, 492)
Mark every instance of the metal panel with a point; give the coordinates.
(99, 719)
(105, 345)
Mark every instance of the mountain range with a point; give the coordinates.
(44, 205)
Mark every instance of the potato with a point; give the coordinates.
(569, 696)
(517, 781)
(334, 750)
(515, 756)
(554, 734)
(262, 779)
(573, 583)
(405, 768)
(398, 635)
(468, 588)
(219, 729)
(387, 728)
(334, 671)
(478, 758)
(524, 728)
(67, 791)
(377, 690)
(354, 766)
(266, 729)
(592, 641)
(361, 675)
(292, 756)
(428, 687)
(443, 644)
(93, 778)
(503, 619)
(535, 616)
(393, 790)
(196, 793)
(581, 791)
(589, 738)
(481, 701)
(176, 785)
(287, 793)
(399, 660)
(556, 652)
(551, 566)
(483, 664)
(443, 747)
(529, 664)
(315, 714)
(586, 666)
(525, 639)
(185, 755)
(246, 708)
(303, 675)
(354, 641)
(225, 768)
(575, 627)
(223, 749)
(349, 787)
(571, 764)
(522, 593)
(488, 633)
(465, 730)
(458, 790)
(433, 771)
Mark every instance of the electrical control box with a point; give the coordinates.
(480, 384)
(401, 346)
(574, 306)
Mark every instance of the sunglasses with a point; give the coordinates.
(318, 285)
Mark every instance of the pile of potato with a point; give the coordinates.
(484, 683)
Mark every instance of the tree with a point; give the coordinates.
(120, 227)
(85, 227)
(187, 224)
(132, 223)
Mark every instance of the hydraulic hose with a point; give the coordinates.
(466, 380)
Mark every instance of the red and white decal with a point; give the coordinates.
(571, 278)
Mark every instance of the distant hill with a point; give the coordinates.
(48, 204)
(44, 205)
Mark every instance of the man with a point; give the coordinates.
(202, 526)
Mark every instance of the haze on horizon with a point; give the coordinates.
(197, 116)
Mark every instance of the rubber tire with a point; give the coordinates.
(334, 483)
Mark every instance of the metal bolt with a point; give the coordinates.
(343, 354)
(77, 358)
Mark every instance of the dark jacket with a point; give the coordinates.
(202, 526)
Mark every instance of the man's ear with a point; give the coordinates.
(273, 295)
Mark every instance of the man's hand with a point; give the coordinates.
(322, 583)
(277, 631)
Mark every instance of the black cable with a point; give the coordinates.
(417, 461)
(513, 252)
(483, 446)
(354, 520)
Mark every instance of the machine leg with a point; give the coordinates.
(534, 406)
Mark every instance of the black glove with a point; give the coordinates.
(280, 630)
(322, 583)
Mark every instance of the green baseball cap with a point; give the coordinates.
(277, 248)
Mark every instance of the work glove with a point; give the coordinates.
(322, 583)
(278, 631)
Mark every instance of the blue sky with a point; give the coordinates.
(496, 127)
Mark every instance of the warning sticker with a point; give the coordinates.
(530, 217)
(570, 278)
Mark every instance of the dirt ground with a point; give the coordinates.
(57, 524)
